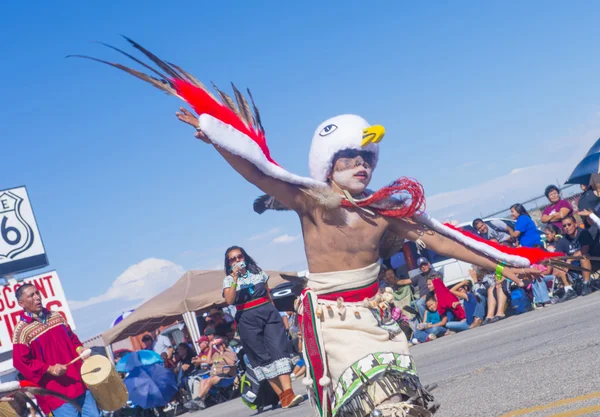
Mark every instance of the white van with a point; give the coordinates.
(451, 269)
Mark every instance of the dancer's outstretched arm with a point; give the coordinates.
(412, 230)
(288, 194)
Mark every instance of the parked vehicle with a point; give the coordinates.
(451, 269)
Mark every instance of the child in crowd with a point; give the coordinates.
(433, 324)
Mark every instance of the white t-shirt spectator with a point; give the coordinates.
(161, 344)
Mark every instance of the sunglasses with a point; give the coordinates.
(238, 258)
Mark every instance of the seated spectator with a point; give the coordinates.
(590, 199)
(550, 275)
(449, 305)
(593, 226)
(433, 324)
(473, 306)
(202, 357)
(482, 281)
(210, 332)
(293, 321)
(577, 242)
(223, 361)
(168, 363)
(496, 301)
(553, 235)
(558, 208)
(490, 233)
(420, 281)
(300, 365)
(219, 321)
(401, 288)
(185, 366)
(525, 229)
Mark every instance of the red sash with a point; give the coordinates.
(252, 304)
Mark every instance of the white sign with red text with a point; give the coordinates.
(53, 298)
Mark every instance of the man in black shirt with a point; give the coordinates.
(577, 242)
(420, 281)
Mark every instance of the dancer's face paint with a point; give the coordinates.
(352, 170)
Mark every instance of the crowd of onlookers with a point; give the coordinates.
(218, 359)
(428, 309)
(423, 305)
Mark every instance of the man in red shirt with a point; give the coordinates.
(43, 343)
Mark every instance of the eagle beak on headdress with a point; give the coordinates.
(372, 134)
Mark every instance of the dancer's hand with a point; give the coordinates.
(515, 274)
(187, 117)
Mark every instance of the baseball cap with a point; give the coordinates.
(203, 339)
(422, 261)
(209, 331)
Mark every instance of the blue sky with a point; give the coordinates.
(477, 100)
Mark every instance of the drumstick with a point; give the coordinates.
(83, 355)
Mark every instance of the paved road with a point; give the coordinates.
(549, 359)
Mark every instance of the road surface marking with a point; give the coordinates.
(556, 404)
(580, 412)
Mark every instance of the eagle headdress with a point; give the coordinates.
(236, 126)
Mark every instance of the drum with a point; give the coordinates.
(105, 384)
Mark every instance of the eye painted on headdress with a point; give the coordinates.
(327, 130)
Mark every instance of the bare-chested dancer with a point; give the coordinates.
(362, 365)
(358, 362)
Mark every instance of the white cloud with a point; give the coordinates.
(263, 235)
(519, 185)
(139, 282)
(283, 239)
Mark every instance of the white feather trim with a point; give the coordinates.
(481, 247)
(237, 143)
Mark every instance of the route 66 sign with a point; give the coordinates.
(21, 247)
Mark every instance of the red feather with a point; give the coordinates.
(534, 255)
(203, 103)
(402, 185)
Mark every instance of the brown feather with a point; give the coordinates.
(162, 65)
(567, 265)
(245, 110)
(160, 74)
(256, 113)
(193, 80)
(160, 84)
(227, 101)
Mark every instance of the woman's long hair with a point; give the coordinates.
(250, 263)
(554, 229)
(189, 352)
(520, 209)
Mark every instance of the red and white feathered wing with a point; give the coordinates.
(237, 128)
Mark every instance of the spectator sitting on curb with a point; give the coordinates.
(553, 235)
(433, 325)
(489, 233)
(558, 208)
(577, 242)
(401, 288)
(474, 307)
(420, 281)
